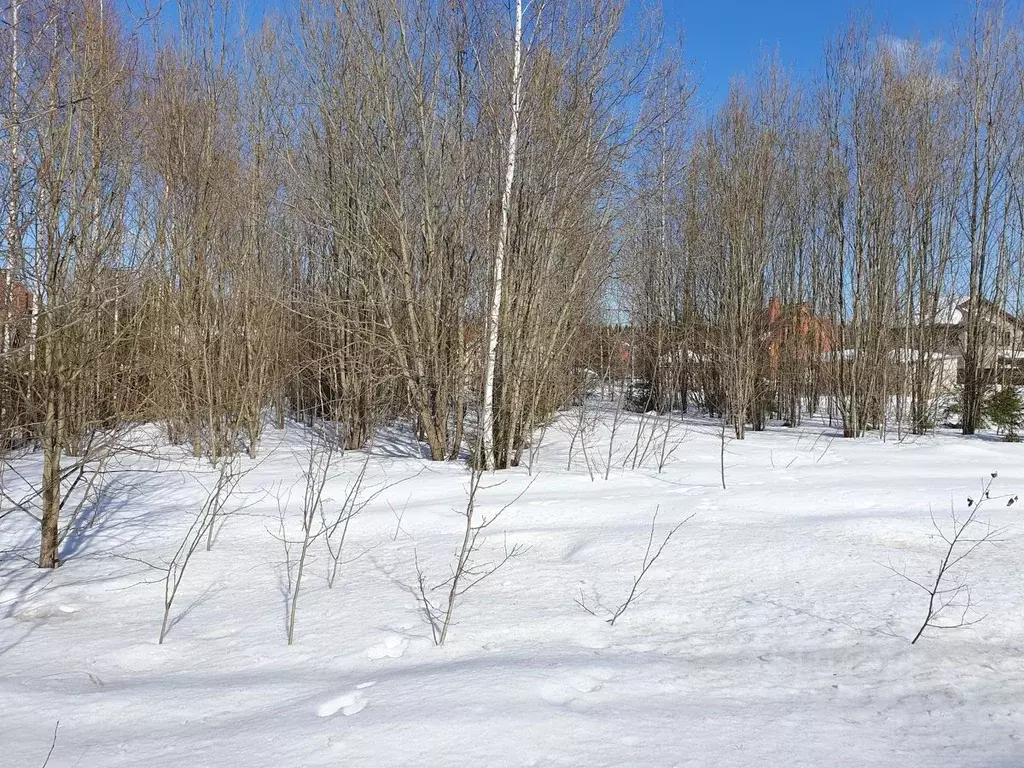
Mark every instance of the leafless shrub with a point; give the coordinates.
(657, 440)
(357, 498)
(53, 745)
(618, 418)
(335, 527)
(651, 556)
(582, 428)
(948, 592)
(229, 475)
(321, 519)
(467, 571)
(318, 467)
(670, 441)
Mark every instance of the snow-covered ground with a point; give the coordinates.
(772, 633)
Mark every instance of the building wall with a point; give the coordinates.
(20, 312)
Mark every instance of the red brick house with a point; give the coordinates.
(20, 312)
(796, 325)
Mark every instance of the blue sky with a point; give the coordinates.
(726, 38)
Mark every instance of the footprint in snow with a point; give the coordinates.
(348, 704)
(220, 634)
(575, 548)
(44, 612)
(392, 648)
(565, 691)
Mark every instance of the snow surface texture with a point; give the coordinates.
(771, 633)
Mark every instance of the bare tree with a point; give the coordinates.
(498, 270)
(989, 130)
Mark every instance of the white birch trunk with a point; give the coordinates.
(487, 425)
(13, 247)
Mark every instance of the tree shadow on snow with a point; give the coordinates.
(107, 516)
